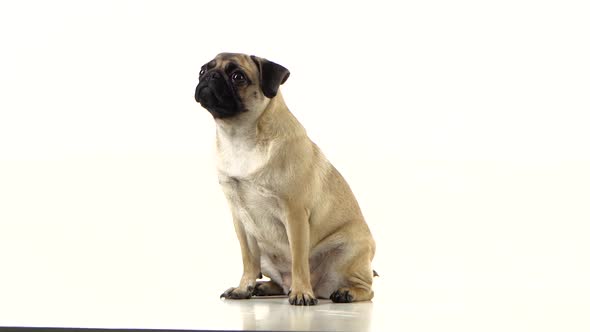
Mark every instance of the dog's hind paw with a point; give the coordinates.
(234, 293)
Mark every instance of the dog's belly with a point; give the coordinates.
(324, 277)
(261, 213)
(262, 220)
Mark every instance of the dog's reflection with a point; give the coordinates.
(275, 313)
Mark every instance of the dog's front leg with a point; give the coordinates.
(297, 226)
(250, 261)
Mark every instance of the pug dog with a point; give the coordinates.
(297, 220)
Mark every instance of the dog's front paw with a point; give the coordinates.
(302, 298)
(234, 293)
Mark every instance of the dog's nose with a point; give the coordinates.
(214, 75)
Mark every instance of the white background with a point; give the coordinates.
(461, 126)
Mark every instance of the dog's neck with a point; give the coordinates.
(273, 122)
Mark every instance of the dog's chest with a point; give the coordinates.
(246, 181)
(239, 158)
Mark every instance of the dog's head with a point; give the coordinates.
(234, 83)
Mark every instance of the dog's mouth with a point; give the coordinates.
(207, 97)
(216, 100)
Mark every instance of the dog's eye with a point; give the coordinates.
(202, 72)
(238, 77)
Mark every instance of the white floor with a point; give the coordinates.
(393, 309)
(275, 314)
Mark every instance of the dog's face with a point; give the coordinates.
(232, 84)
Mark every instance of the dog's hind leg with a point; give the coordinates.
(356, 279)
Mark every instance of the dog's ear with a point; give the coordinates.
(271, 76)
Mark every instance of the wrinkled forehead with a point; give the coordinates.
(231, 61)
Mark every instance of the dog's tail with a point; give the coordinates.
(375, 274)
